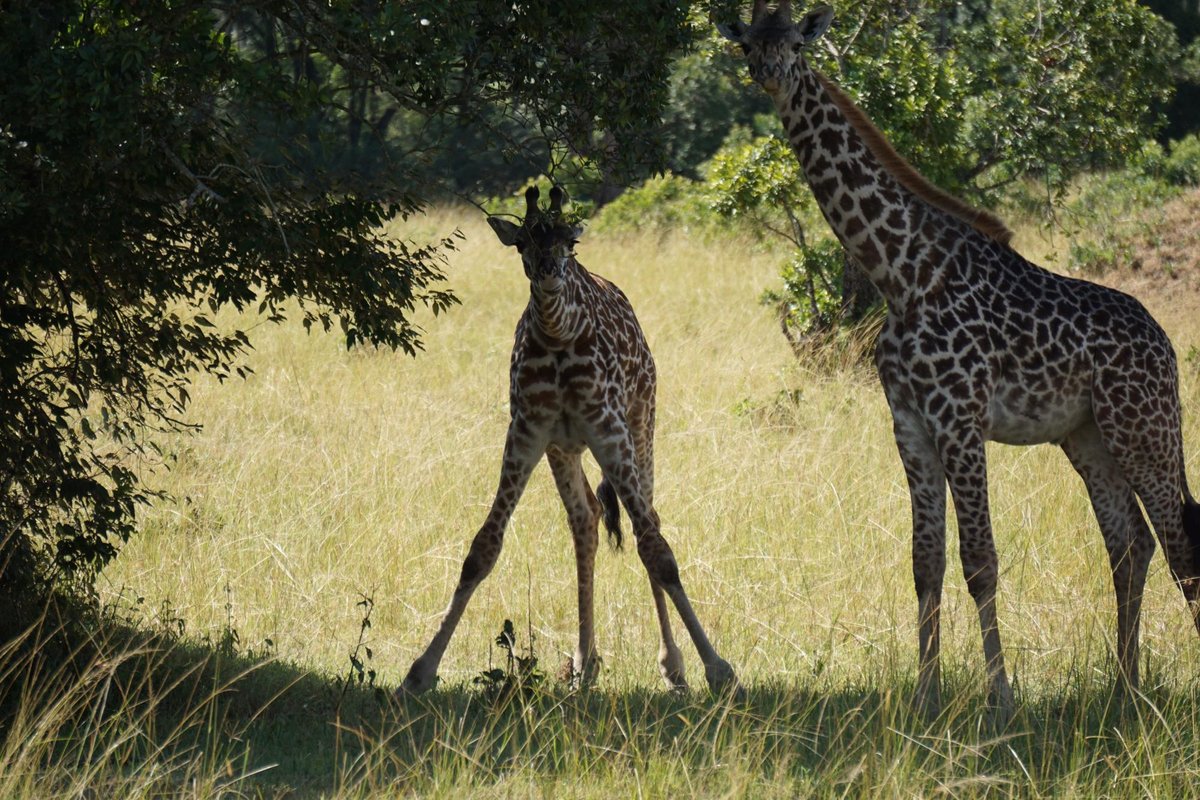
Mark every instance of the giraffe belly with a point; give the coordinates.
(567, 434)
(1034, 420)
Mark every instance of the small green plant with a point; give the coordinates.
(663, 203)
(520, 675)
(1094, 258)
(361, 655)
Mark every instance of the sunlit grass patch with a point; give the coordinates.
(330, 476)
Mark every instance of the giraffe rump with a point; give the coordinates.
(611, 509)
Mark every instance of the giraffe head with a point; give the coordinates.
(773, 43)
(545, 239)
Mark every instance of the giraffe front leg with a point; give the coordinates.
(965, 462)
(927, 492)
(583, 515)
(522, 449)
(616, 459)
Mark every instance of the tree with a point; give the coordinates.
(1183, 111)
(978, 96)
(163, 160)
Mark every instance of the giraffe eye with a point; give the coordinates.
(796, 48)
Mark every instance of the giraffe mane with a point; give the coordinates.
(906, 174)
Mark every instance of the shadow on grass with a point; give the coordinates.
(166, 712)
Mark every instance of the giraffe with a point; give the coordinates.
(581, 376)
(981, 345)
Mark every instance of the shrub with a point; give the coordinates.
(811, 300)
(1182, 166)
(667, 202)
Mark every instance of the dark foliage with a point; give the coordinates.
(164, 161)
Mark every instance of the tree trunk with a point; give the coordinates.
(859, 295)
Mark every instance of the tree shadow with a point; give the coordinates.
(271, 729)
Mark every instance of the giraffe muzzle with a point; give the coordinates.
(769, 76)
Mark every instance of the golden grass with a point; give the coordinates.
(330, 475)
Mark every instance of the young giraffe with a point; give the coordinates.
(979, 344)
(581, 376)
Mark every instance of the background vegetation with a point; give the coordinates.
(163, 161)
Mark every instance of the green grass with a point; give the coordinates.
(330, 476)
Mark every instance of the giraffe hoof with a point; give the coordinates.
(580, 675)
(675, 683)
(1000, 706)
(721, 678)
(418, 681)
(670, 666)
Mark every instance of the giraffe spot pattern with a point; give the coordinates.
(979, 344)
(581, 376)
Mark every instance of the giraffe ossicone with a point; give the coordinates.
(981, 345)
(581, 377)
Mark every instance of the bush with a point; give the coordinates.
(1182, 166)
(811, 300)
(668, 202)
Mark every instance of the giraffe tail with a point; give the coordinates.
(1191, 524)
(611, 507)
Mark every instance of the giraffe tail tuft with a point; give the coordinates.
(611, 507)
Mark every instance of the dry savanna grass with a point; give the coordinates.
(330, 476)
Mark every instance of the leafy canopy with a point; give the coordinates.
(979, 96)
(162, 161)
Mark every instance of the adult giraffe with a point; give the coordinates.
(581, 376)
(979, 344)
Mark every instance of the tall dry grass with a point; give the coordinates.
(332, 475)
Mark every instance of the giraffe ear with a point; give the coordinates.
(814, 24)
(506, 231)
(734, 31)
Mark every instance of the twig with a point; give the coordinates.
(201, 187)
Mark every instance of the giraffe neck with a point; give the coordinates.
(557, 308)
(880, 223)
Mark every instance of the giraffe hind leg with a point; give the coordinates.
(1169, 518)
(1191, 527)
(1150, 454)
(1127, 539)
(670, 657)
(656, 555)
